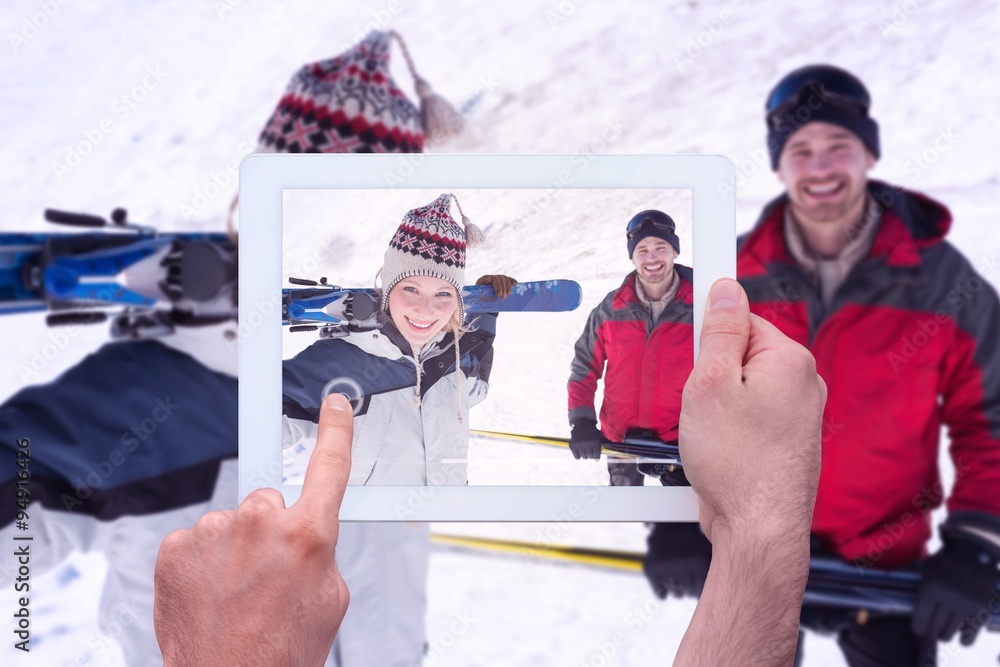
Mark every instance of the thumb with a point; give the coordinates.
(725, 331)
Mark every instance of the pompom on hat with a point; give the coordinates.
(430, 243)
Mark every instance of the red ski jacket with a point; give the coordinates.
(910, 342)
(647, 362)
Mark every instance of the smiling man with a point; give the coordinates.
(640, 339)
(905, 333)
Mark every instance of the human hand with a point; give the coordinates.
(585, 439)
(750, 425)
(750, 435)
(502, 285)
(259, 584)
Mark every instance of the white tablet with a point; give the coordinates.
(551, 222)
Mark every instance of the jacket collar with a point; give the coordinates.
(909, 222)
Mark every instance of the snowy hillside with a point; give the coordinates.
(151, 106)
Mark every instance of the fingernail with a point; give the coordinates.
(337, 402)
(725, 294)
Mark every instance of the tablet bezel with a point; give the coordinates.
(264, 177)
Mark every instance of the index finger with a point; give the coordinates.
(330, 463)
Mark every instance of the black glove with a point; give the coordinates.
(585, 439)
(678, 559)
(957, 582)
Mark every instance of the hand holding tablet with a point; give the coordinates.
(750, 438)
(752, 395)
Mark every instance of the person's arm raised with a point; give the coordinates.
(258, 585)
(750, 434)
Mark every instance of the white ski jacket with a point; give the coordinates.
(404, 434)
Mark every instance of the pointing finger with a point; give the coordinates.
(330, 463)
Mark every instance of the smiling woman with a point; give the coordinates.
(416, 369)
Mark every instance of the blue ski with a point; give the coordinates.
(85, 276)
(327, 304)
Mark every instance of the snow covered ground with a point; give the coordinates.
(151, 105)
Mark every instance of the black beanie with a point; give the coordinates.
(814, 104)
(644, 222)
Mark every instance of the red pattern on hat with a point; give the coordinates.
(346, 104)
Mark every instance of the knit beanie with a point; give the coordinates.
(652, 223)
(430, 243)
(346, 104)
(351, 104)
(815, 101)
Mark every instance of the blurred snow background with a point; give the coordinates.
(151, 106)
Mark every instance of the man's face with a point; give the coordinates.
(654, 260)
(824, 168)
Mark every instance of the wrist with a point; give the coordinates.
(214, 645)
(770, 558)
(761, 547)
(785, 523)
(770, 531)
(754, 589)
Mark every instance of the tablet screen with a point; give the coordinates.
(607, 339)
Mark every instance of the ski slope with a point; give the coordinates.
(151, 106)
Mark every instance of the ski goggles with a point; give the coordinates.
(809, 88)
(636, 226)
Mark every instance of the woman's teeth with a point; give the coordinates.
(417, 325)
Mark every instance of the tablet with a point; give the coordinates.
(488, 442)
